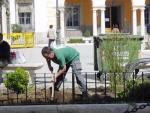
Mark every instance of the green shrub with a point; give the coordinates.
(136, 90)
(87, 33)
(75, 41)
(116, 51)
(17, 81)
(16, 28)
(139, 92)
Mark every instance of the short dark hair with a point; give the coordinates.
(46, 50)
(50, 26)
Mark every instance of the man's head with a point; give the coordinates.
(1, 37)
(50, 26)
(47, 53)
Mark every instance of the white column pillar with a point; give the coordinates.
(134, 21)
(62, 26)
(142, 21)
(102, 20)
(94, 22)
(12, 12)
(17, 15)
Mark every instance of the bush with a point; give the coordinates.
(136, 90)
(75, 41)
(17, 81)
(139, 92)
(16, 28)
(87, 33)
(116, 50)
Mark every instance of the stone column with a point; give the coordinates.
(134, 21)
(62, 26)
(142, 21)
(94, 22)
(102, 20)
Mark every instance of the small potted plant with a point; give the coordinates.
(87, 37)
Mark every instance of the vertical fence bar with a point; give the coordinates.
(86, 83)
(133, 83)
(45, 86)
(95, 84)
(7, 89)
(143, 97)
(64, 88)
(124, 85)
(105, 85)
(133, 77)
(35, 87)
(86, 86)
(73, 88)
(17, 88)
(53, 88)
(26, 90)
(115, 84)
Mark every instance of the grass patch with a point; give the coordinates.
(75, 40)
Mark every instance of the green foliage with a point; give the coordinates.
(73, 40)
(87, 33)
(117, 50)
(16, 28)
(17, 81)
(136, 90)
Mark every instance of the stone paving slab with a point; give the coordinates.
(84, 108)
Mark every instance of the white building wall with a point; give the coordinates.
(12, 12)
(41, 15)
(138, 2)
(51, 9)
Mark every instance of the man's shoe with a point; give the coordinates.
(85, 95)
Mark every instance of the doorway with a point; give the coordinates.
(112, 17)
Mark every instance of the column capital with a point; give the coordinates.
(134, 8)
(95, 8)
(102, 8)
(142, 8)
(62, 9)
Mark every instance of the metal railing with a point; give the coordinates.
(101, 88)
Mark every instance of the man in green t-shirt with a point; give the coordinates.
(65, 57)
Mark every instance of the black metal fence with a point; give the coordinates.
(101, 88)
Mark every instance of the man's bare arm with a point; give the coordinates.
(60, 71)
(49, 65)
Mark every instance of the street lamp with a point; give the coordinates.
(57, 25)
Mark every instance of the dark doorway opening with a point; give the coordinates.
(113, 16)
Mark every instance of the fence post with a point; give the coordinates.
(73, 88)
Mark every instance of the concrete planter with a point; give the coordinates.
(87, 39)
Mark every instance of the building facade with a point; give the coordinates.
(75, 17)
(4, 16)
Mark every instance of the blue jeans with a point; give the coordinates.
(76, 70)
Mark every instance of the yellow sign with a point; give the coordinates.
(20, 40)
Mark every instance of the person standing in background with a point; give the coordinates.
(51, 35)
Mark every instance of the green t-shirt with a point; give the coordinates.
(65, 55)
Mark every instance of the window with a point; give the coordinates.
(73, 16)
(25, 18)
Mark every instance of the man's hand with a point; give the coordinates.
(53, 78)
